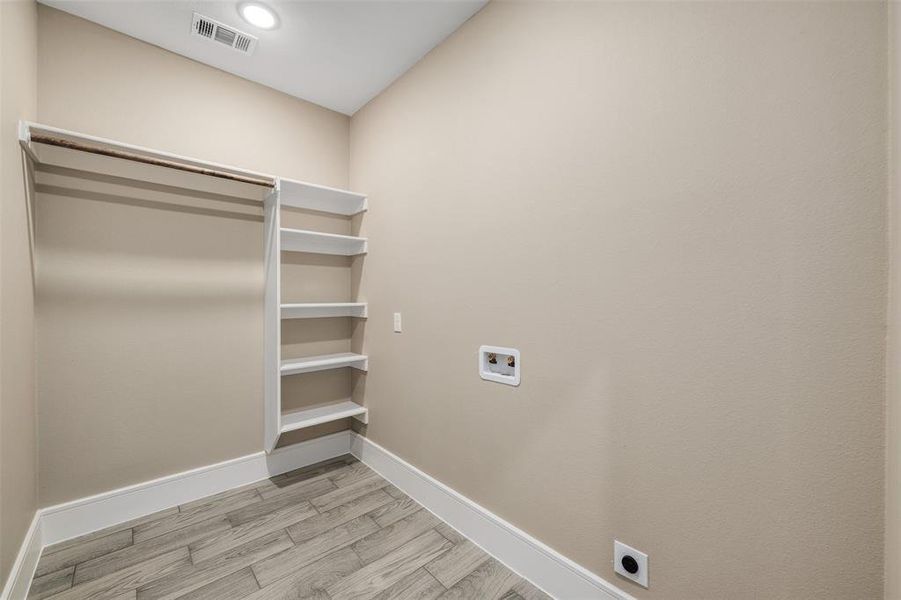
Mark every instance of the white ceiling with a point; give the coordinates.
(335, 53)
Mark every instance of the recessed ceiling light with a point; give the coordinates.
(258, 15)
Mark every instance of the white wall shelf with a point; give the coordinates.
(195, 173)
(299, 194)
(324, 309)
(309, 417)
(301, 240)
(325, 362)
(289, 193)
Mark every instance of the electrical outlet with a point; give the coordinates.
(398, 325)
(630, 563)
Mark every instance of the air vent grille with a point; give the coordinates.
(213, 30)
(243, 43)
(204, 27)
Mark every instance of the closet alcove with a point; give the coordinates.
(308, 253)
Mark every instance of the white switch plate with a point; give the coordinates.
(619, 551)
(397, 323)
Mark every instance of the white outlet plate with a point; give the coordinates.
(619, 551)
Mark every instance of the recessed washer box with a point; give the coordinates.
(499, 364)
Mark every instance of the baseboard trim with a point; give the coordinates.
(79, 517)
(543, 566)
(23, 568)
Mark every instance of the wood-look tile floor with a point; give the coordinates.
(331, 531)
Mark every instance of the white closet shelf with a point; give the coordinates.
(300, 194)
(106, 156)
(301, 240)
(324, 309)
(325, 362)
(318, 415)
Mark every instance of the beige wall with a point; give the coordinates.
(893, 355)
(18, 443)
(150, 316)
(676, 211)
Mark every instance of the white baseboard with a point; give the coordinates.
(79, 517)
(26, 562)
(544, 567)
(76, 518)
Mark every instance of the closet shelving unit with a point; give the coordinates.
(297, 194)
(36, 139)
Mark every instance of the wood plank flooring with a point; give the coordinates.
(331, 531)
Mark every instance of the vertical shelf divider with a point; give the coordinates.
(272, 386)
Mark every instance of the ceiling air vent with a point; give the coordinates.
(213, 30)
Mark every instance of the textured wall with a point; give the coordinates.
(150, 314)
(676, 211)
(893, 355)
(18, 444)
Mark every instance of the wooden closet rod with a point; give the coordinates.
(159, 162)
